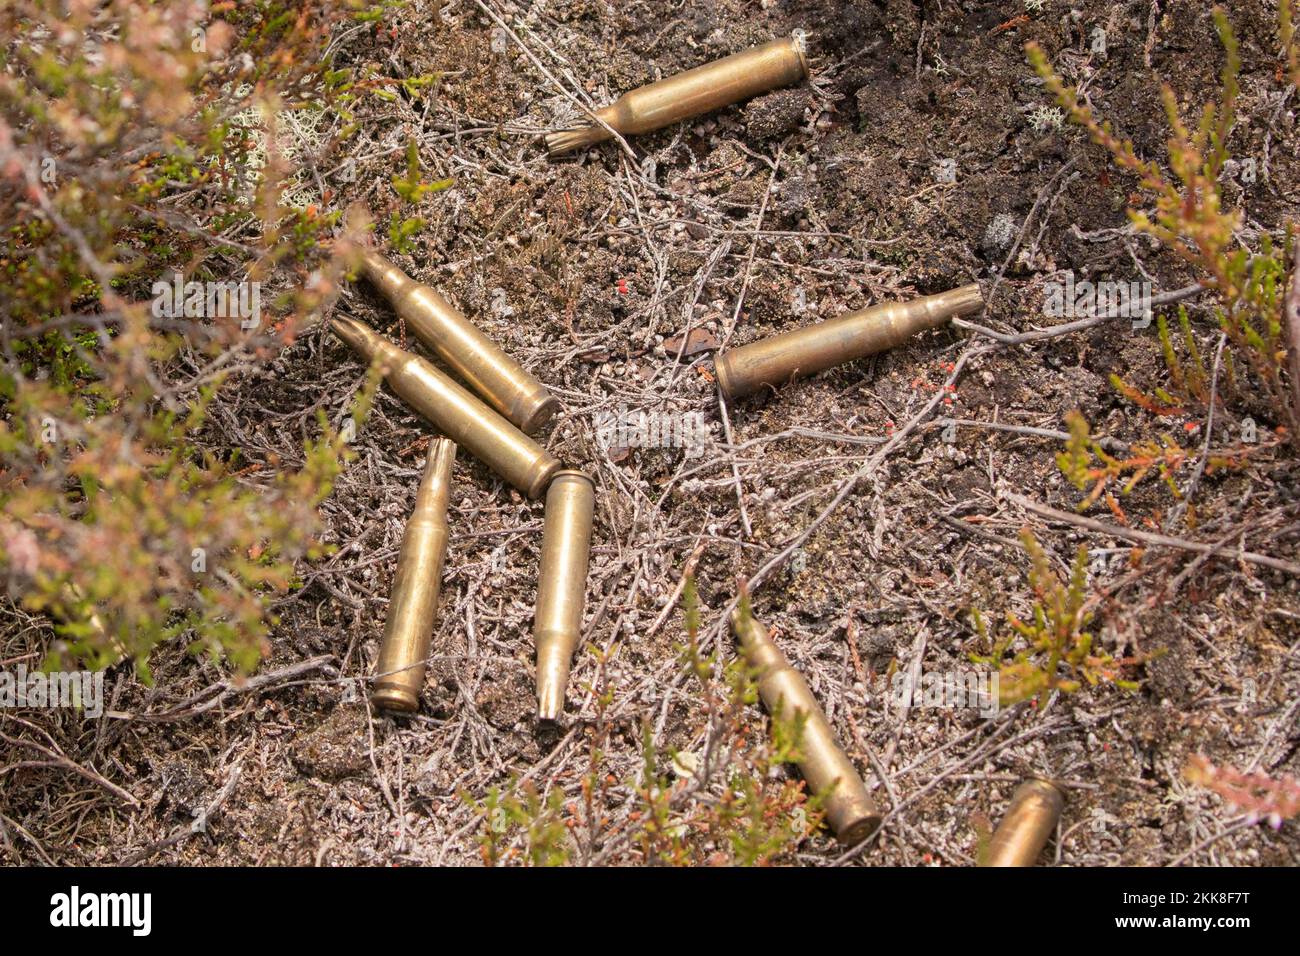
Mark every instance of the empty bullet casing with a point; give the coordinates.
(562, 586)
(1033, 815)
(696, 91)
(500, 380)
(803, 352)
(408, 628)
(850, 810)
(458, 414)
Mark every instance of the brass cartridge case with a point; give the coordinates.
(850, 810)
(1033, 815)
(458, 414)
(802, 352)
(496, 377)
(408, 629)
(705, 88)
(562, 586)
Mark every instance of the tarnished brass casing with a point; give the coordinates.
(500, 380)
(850, 810)
(458, 414)
(1034, 812)
(802, 352)
(562, 585)
(709, 87)
(413, 603)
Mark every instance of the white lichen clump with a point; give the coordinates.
(1046, 119)
(296, 137)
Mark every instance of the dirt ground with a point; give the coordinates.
(784, 211)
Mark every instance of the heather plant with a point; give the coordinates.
(731, 803)
(1190, 218)
(411, 188)
(541, 821)
(1053, 650)
(1258, 795)
(1092, 469)
(1290, 43)
(148, 146)
(1089, 467)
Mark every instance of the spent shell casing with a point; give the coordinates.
(850, 810)
(500, 380)
(1034, 812)
(562, 585)
(408, 629)
(802, 352)
(454, 410)
(709, 87)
